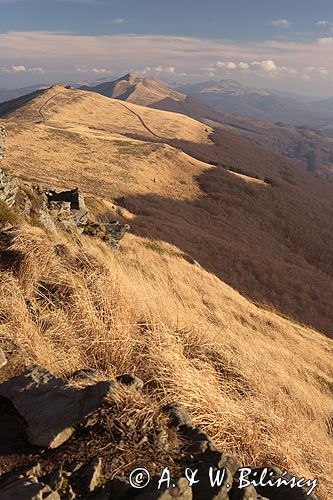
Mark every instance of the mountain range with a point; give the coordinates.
(217, 304)
(302, 143)
(232, 97)
(257, 220)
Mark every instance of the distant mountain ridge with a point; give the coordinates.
(300, 143)
(136, 89)
(325, 104)
(261, 104)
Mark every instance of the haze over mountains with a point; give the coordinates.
(264, 226)
(233, 97)
(304, 144)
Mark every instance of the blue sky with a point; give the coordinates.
(285, 44)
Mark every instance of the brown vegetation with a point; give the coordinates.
(259, 384)
(271, 242)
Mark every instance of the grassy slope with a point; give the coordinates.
(259, 384)
(271, 244)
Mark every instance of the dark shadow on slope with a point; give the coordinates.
(259, 239)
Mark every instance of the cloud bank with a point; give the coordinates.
(176, 57)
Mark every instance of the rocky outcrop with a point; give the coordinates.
(49, 208)
(8, 188)
(8, 183)
(111, 233)
(69, 206)
(54, 409)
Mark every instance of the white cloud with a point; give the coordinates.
(61, 52)
(230, 65)
(268, 66)
(160, 70)
(281, 23)
(116, 21)
(20, 69)
(98, 71)
(323, 23)
(328, 40)
(323, 71)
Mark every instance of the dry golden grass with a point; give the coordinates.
(71, 109)
(259, 384)
(99, 162)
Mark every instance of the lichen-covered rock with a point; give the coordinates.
(111, 233)
(130, 380)
(8, 188)
(69, 206)
(51, 408)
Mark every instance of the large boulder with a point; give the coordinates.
(111, 232)
(51, 407)
(72, 202)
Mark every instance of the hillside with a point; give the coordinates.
(7, 95)
(251, 379)
(136, 89)
(313, 149)
(71, 303)
(161, 307)
(270, 241)
(325, 104)
(261, 104)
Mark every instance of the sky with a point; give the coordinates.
(286, 45)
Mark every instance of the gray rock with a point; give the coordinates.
(180, 490)
(203, 490)
(8, 188)
(282, 492)
(130, 380)
(27, 488)
(68, 206)
(3, 359)
(248, 493)
(51, 408)
(178, 415)
(86, 375)
(88, 477)
(55, 479)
